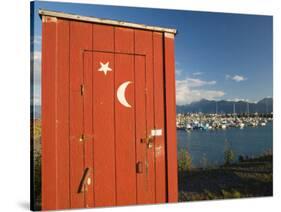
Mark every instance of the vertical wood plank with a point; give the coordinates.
(160, 173)
(124, 40)
(140, 113)
(104, 138)
(49, 174)
(62, 122)
(125, 132)
(103, 38)
(88, 124)
(144, 45)
(171, 118)
(80, 39)
(104, 144)
(125, 119)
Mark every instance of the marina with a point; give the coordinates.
(200, 121)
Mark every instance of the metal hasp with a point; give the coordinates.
(108, 113)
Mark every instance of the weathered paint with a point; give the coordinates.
(108, 104)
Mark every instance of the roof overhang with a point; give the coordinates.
(43, 12)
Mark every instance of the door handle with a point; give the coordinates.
(85, 181)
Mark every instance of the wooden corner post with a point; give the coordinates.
(172, 170)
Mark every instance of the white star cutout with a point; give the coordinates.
(104, 68)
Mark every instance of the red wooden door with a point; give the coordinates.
(111, 142)
(120, 128)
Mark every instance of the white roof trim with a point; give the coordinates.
(43, 12)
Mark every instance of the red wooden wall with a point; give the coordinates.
(71, 55)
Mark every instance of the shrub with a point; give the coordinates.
(229, 155)
(184, 160)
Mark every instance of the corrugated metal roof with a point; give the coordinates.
(43, 12)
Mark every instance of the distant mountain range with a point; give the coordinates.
(223, 106)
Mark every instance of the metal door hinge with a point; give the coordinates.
(82, 89)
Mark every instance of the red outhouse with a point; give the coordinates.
(108, 113)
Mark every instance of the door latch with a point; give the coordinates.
(148, 141)
(85, 181)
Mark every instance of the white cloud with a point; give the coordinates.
(197, 73)
(185, 93)
(36, 66)
(193, 82)
(237, 78)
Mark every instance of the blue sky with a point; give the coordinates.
(218, 55)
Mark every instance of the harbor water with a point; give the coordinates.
(207, 147)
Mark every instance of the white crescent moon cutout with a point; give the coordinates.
(121, 93)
